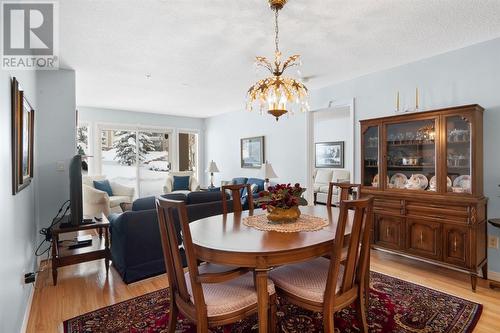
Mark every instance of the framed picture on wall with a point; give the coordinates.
(329, 154)
(23, 123)
(252, 152)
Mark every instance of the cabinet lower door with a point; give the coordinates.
(424, 238)
(456, 244)
(388, 231)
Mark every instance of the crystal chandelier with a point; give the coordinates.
(280, 94)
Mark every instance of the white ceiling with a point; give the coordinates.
(200, 52)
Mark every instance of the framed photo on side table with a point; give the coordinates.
(23, 124)
(252, 152)
(329, 154)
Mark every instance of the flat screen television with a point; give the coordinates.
(75, 218)
(75, 190)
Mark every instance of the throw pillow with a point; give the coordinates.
(103, 185)
(239, 180)
(181, 183)
(257, 181)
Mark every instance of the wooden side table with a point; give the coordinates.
(62, 255)
(495, 223)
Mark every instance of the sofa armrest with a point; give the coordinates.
(146, 203)
(94, 196)
(135, 237)
(194, 185)
(118, 234)
(122, 190)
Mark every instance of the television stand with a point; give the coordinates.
(63, 255)
(66, 222)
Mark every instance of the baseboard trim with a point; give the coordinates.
(494, 276)
(27, 312)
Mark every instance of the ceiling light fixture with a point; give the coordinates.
(280, 94)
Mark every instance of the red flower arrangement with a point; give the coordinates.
(283, 196)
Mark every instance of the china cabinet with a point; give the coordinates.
(425, 171)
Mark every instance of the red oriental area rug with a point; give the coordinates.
(395, 306)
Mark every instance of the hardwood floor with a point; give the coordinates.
(80, 289)
(83, 288)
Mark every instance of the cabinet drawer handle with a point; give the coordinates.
(421, 237)
(387, 232)
(455, 244)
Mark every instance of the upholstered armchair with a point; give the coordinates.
(96, 202)
(322, 179)
(169, 184)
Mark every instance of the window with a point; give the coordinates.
(83, 146)
(136, 158)
(188, 152)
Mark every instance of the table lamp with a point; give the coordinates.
(268, 173)
(212, 167)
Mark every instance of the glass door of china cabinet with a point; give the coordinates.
(411, 155)
(371, 156)
(458, 154)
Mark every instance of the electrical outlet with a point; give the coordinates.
(493, 242)
(29, 277)
(60, 165)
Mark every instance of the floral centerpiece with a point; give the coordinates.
(282, 202)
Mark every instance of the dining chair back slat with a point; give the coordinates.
(345, 189)
(236, 191)
(355, 265)
(173, 260)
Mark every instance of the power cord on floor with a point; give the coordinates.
(47, 232)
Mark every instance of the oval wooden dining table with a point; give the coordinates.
(224, 239)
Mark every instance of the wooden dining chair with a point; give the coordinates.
(345, 189)
(207, 294)
(236, 195)
(325, 285)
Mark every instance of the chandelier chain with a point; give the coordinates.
(276, 30)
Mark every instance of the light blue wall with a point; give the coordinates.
(55, 139)
(284, 144)
(17, 225)
(99, 115)
(52, 95)
(466, 76)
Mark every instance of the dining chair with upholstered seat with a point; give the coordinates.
(207, 294)
(327, 285)
(235, 195)
(345, 190)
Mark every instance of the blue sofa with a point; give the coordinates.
(136, 250)
(251, 181)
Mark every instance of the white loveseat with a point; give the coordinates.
(322, 179)
(96, 202)
(169, 184)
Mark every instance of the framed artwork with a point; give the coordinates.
(23, 125)
(252, 152)
(329, 154)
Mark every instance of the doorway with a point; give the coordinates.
(334, 123)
